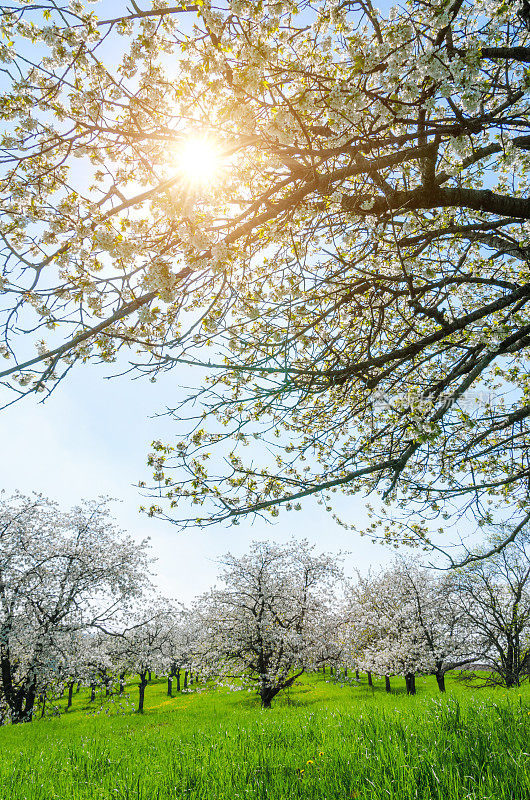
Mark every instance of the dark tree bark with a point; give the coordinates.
(141, 690)
(24, 702)
(92, 692)
(178, 679)
(512, 662)
(440, 680)
(71, 685)
(410, 683)
(370, 681)
(388, 688)
(170, 686)
(267, 692)
(43, 699)
(266, 695)
(185, 679)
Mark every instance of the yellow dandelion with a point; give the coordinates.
(309, 762)
(321, 754)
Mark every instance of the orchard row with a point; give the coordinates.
(77, 607)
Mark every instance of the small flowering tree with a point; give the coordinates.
(141, 645)
(327, 631)
(444, 627)
(60, 573)
(263, 622)
(75, 651)
(387, 637)
(101, 661)
(406, 620)
(180, 647)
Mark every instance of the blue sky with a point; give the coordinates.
(91, 437)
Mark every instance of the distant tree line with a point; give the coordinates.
(77, 609)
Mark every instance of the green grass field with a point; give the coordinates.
(321, 741)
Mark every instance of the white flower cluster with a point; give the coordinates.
(161, 279)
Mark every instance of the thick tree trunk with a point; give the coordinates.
(43, 701)
(345, 672)
(512, 666)
(410, 683)
(20, 702)
(170, 686)
(511, 677)
(22, 708)
(141, 691)
(440, 680)
(178, 680)
(185, 679)
(357, 674)
(29, 705)
(92, 692)
(71, 685)
(388, 688)
(267, 694)
(370, 681)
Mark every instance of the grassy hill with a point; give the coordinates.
(321, 741)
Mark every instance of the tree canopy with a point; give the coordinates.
(322, 204)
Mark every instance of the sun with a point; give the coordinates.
(198, 160)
